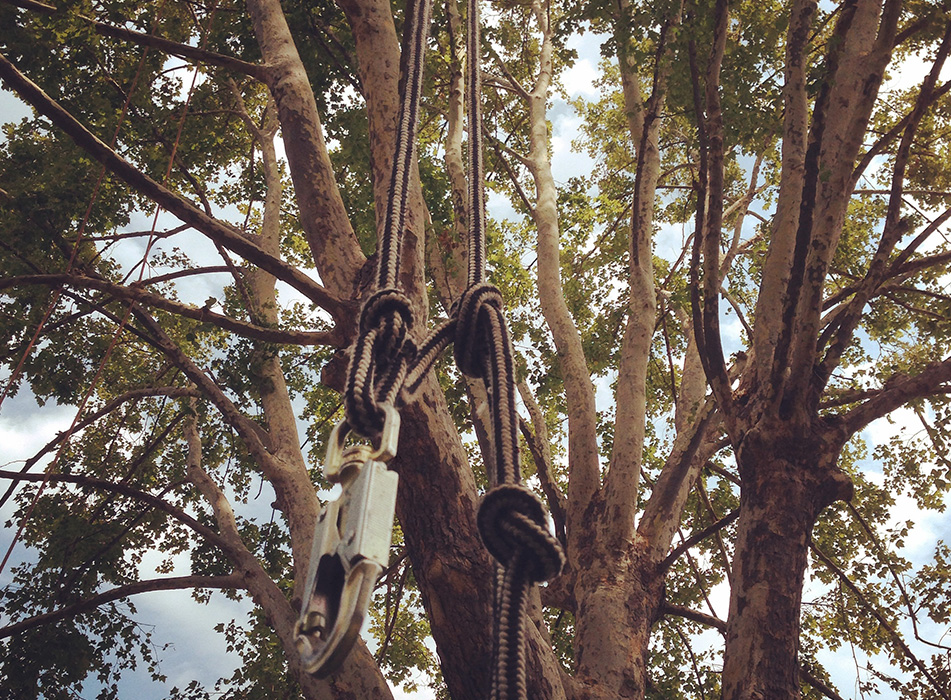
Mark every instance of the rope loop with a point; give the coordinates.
(470, 343)
(390, 311)
(514, 528)
(381, 354)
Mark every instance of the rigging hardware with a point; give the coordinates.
(351, 546)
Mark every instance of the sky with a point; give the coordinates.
(184, 627)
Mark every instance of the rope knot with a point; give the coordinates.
(378, 365)
(389, 313)
(470, 343)
(514, 526)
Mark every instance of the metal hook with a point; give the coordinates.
(351, 547)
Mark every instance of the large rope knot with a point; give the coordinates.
(381, 354)
(470, 343)
(389, 314)
(514, 527)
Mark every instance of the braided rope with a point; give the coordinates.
(387, 367)
(476, 190)
(512, 521)
(411, 60)
(383, 351)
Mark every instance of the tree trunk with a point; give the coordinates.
(789, 475)
(620, 594)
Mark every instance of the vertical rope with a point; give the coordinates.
(411, 60)
(386, 366)
(476, 190)
(383, 350)
(512, 521)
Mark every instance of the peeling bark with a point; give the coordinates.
(579, 391)
(323, 216)
(623, 478)
(787, 480)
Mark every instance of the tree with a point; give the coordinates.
(708, 468)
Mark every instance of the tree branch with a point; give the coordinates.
(892, 632)
(203, 314)
(174, 48)
(706, 314)
(899, 389)
(187, 212)
(894, 227)
(125, 490)
(698, 537)
(172, 392)
(540, 448)
(720, 625)
(163, 584)
(694, 615)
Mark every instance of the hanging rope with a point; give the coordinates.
(386, 367)
(383, 349)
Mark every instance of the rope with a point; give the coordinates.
(382, 351)
(386, 366)
(512, 521)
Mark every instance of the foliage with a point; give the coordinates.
(76, 244)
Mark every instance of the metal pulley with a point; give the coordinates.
(351, 547)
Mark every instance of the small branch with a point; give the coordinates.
(541, 453)
(514, 84)
(175, 204)
(693, 662)
(720, 625)
(873, 538)
(886, 625)
(202, 315)
(910, 193)
(178, 274)
(259, 72)
(716, 469)
(170, 391)
(694, 615)
(163, 584)
(137, 234)
(805, 675)
(718, 535)
(698, 537)
(391, 622)
(125, 490)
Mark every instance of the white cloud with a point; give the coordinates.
(580, 79)
(565, 162)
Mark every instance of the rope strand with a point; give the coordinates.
(387, 367)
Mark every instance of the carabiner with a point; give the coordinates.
(351, 547)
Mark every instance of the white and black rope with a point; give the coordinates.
(383, 350)
(387, 367)
(476, 174)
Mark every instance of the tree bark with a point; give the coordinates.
(378, 55)
(787, 480)
(584, 480)
(323, 216)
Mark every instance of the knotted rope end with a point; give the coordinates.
(514, 528)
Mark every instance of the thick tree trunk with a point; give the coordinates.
(619, 598)
(788, 477)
